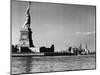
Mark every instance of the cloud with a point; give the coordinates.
(86, 33)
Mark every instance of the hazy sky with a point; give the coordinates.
(63, 25)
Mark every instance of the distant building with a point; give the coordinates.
(44, 49)
(69, 49)
(86, 49)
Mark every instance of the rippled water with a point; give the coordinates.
(51, 63)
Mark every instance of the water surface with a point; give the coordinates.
(51, 63)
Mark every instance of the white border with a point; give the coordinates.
(5, 36)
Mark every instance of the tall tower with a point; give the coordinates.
(86, 46)
(26, 33)
(86, 49)
(80, 47)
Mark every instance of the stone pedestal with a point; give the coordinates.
(26, 38)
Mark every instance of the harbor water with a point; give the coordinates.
(39, 64)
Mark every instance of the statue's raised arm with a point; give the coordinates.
(28, 18)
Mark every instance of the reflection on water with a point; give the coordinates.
(49, 64)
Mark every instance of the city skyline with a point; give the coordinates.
(60, 24)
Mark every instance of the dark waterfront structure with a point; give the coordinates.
(44, 49)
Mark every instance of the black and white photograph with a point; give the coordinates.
(52, 37)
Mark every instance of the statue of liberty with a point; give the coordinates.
(26, 33)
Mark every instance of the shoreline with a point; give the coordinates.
(45, 54)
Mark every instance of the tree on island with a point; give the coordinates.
(69, 49)
(52, 48)
(14, 50)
